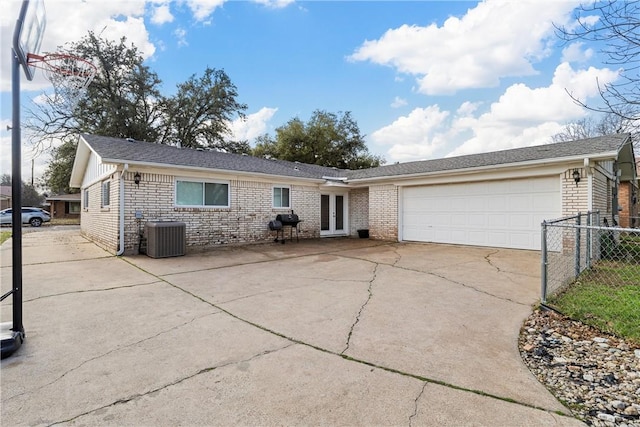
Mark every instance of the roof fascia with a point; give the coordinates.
(83, 153)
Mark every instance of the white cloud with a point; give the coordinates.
(161, 14)
(575, 53)
(253, 125)
(181, 36)
(415, 136)
(525, 116)
(202, 9)
(477, 50)
(522, 116)
(398, 102)
(276, 4)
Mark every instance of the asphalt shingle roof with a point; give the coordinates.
(583, 147)
(122, 150)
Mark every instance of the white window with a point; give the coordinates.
(86, 198)
(200, 193)
(281, 197)
(106, 193)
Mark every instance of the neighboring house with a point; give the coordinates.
(629, 201)
(5, 196)
(64, 206)
(494, 199)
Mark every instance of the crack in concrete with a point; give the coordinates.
(362, 307)
(415, 409)
(82, 291)
(479, 290)
(487, 258)
(394, 265)
(353, 359)
(173, 383)
(133, 344)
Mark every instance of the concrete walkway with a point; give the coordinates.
(323, 332)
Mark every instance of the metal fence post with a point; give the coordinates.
(577, 269)
(589, 238)
(543, 264)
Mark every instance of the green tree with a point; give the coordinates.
(327, 139)
(197, 116)
(123, 100)
(29, 194)
(58, 174)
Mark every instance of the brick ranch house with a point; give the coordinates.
(493, 199)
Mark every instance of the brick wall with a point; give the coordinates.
(245, 221)
(358, 210)
(98, 223)
(629, 213)
(574, 197)
(383, 212)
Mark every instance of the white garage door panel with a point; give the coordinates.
(490, 213)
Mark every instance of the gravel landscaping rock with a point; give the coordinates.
(595, 375)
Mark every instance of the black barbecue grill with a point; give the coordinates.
(285, 220)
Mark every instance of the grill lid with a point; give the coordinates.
(288, 218)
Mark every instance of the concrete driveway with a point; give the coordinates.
(323, 332)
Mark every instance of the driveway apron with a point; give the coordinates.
(322, 332)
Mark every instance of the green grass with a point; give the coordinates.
(4, 235)
(607, 297)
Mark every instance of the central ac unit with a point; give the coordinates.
(165, 238)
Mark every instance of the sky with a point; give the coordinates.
(423, 79)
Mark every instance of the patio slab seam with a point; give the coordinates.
(119, 348)
(82, 291)
(271, 259)
(354, 359)
(173, 383)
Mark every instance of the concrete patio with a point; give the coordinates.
(322, 332)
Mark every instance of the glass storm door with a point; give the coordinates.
(333, 215)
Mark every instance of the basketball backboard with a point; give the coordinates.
(29, 33)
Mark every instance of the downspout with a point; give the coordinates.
(121, 248)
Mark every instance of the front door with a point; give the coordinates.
(333, 214)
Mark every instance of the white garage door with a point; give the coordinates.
(490, 213)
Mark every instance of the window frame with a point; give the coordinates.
(204, 182)
(273, 196)
(85, 199)
(106, 183)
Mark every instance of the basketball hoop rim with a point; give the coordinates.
(45, 62)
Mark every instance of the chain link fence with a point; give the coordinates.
(591, 271)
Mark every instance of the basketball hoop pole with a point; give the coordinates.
(12, 340)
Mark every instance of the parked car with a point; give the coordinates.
(33, 216)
